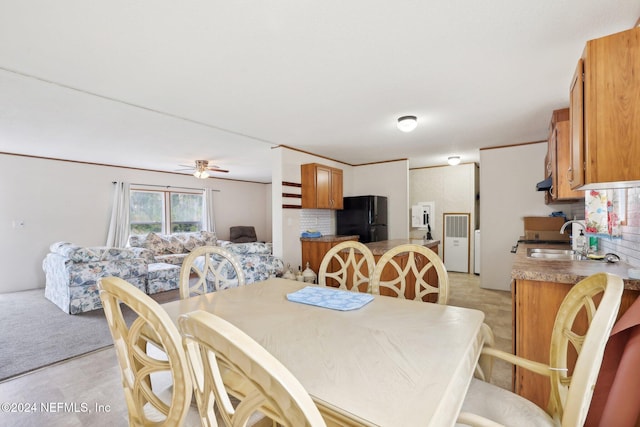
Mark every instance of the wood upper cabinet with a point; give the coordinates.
(558, 159)
(605, 113)
(321, 187)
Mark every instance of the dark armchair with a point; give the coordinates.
(242, 234)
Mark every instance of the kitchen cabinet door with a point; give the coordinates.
(605, 103)
(322, 187)
(575, 174)
(560, 153)
(535, 306)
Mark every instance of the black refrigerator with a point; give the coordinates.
(365, 216)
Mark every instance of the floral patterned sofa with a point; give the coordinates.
(171, 248)
(256, 261)
(72, 272)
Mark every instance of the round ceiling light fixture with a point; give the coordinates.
(453, 160)
(407, 123)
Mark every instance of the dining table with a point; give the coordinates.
(391, 362)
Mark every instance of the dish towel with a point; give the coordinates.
(616, 401)
(327, 297)
(310, 233)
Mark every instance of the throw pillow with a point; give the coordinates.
(137, 240)
(154, 243)
(175, 245)
(209, 238)
(74, 252)
(193, 242)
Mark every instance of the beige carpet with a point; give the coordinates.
(465, 291)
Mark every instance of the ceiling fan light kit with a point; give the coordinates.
(203, 169)
(201, 174)
(407, 123)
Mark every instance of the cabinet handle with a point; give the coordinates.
(570, 174)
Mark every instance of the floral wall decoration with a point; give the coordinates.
(604, 212)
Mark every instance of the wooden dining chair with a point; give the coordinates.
(215, 348)
(581, 330)
(207, 269)
(152, 326)
(413, 272)
(349, 265)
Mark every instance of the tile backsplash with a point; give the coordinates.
(322, 220)
(627, 247)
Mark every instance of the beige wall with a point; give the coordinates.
(59, 200)
(390, 179)
(508, 178)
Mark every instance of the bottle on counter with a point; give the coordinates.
(581, 241)
(309, 275)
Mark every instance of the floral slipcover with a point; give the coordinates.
(172, 248)
(162, 277)
(256, 261)
(72, 273)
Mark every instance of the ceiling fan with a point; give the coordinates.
(203, 169)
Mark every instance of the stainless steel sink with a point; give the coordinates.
(554, 254)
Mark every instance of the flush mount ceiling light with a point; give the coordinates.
(407, 123)
(453, 160)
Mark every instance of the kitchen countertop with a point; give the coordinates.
(546, 270)
(379, 248)
(329, 238)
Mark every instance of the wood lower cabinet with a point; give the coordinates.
(535, 306)
(322, 187)
(605, 113)
(314, 250)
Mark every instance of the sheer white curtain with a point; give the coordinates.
(209, 222)
(119, 224)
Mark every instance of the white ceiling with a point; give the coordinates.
(155, 84)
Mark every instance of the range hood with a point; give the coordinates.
(544, 185)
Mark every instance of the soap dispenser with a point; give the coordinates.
(581, 242)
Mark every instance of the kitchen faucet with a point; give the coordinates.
(584, 249)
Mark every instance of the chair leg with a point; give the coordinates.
(484, 367)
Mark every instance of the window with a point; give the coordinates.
(165, 211)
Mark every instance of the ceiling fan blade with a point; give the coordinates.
(218, 170)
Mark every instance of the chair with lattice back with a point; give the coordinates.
(148, 406)
(348, 265)
(411, 271)
(207, 269)
(215, 348)
(571, 387)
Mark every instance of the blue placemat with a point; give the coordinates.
(327, 297)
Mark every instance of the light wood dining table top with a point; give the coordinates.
(390, 363)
